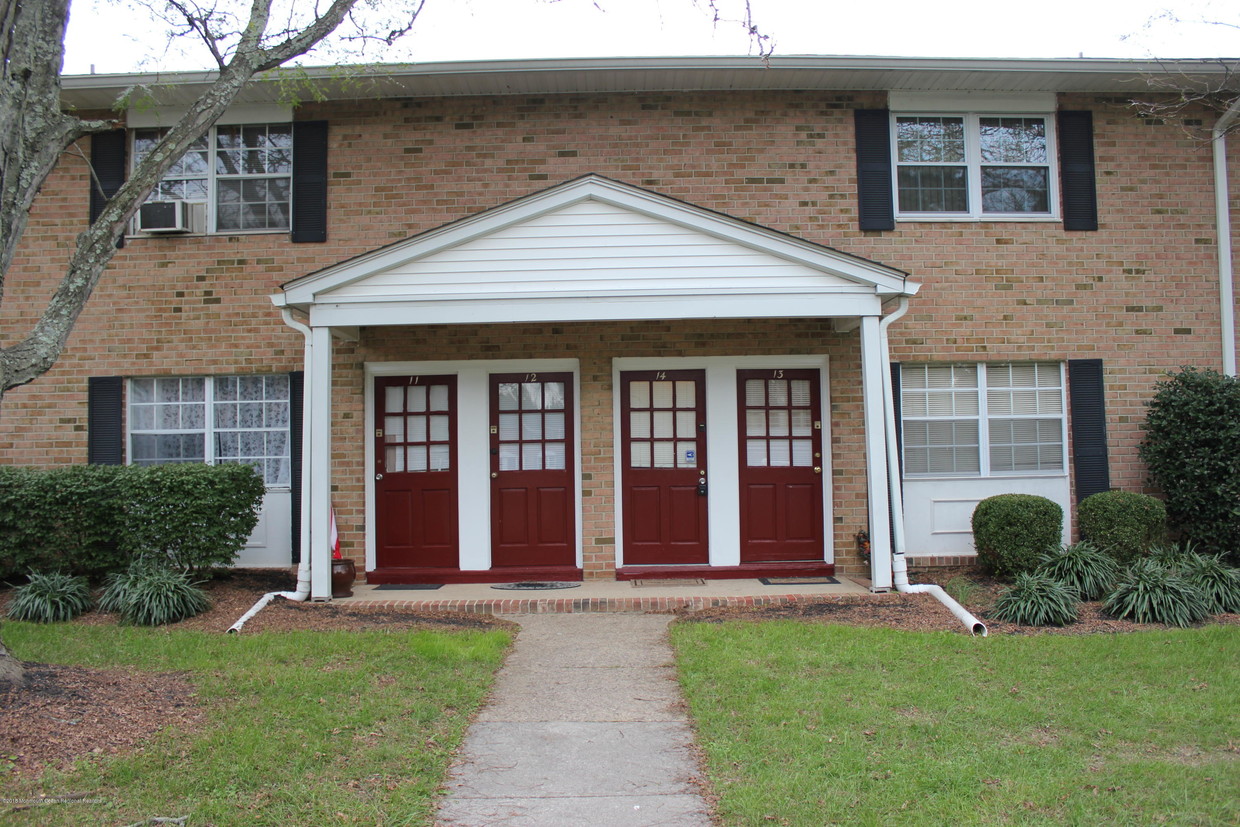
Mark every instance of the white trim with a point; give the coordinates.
(318, 388)
(722, 444)
(246, 113)
(473, 446)
(996, 102)
(874, 370)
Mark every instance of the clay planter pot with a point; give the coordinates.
(343, 575)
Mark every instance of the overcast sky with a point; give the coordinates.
(101, 32)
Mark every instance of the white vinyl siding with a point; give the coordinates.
(983, 420)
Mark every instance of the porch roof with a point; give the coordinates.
(594, 249)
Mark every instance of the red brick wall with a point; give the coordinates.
(1141, 293)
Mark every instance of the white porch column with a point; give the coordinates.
(873, 375)
(319, 450)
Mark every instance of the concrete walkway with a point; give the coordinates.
(585, 726)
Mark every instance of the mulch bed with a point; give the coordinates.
(66, 712)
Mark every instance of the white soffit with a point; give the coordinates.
(983, 102)
(594, 239)
(239, 114)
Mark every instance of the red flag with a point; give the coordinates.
(335, 537)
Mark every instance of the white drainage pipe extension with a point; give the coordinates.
(899, 566)
(303, 568)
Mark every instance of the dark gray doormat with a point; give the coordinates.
(402, 587)
(535, 585)
(645, 584)
(798, 581)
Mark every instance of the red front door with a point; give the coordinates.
(781, 465)
(663, 433)
(415, 472)
(532, 474)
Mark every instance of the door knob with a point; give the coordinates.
(494, 475)
(817, 469)
(378, 476)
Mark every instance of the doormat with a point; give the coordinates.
(535, 585)
(798, 581)
(645, 584)
(412, 587)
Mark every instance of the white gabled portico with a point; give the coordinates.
(591, 249)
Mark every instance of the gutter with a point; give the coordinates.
(303, 568)
(899, 566)
(1222, 213)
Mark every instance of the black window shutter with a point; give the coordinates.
(105, 437)
(899, 417)
(1076, 169)
(309, 182)
(1089, 427)
(296, 392)
(874, 205)
(107, 163)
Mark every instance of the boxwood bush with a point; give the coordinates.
(1012, 531)
(91, 520)
(1124, 524)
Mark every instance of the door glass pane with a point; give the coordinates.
(686, 394)
(686, 424)
(686, 454)
(553, 396)
(639, 425)
(393, 429)
(664, 455)
(639, 394)
(510, 457)
(802, 453)
(415, 458)
(778, 391)
(439, 428)
(800, 393)
(639, 455)
(778, 422)
(509, 427)
(531, 456)
(531, 396)
(393, 399)
(555, 426)
(531, 426)
(555, 456)
(394, 459)
(439, 397)
(755, 453)
(781, 453)
(663, 424)
(440, 457)
(661, 394)
(417, 429)
(416, 398)
(508, 400)
(755, 393)
(755, 423)
(802, 423)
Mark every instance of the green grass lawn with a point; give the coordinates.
(807, 724)
(303, 728)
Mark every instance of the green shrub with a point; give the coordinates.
(1151, 592)
(49, 598)
(1124, 524)
(1036, 599)
(1218, 582)
(1192, 450)
(152, 594)
(1011, 531)
(1083, 567)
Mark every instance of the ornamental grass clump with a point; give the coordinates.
(1082, 566)
(1153, 592)
(1218, 582)
(50, 598)
(1036, 599)
(153, 595)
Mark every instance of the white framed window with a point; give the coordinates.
(212, 419)
(241, 174)
(983, 420)
(974, 166)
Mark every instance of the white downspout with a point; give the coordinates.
(303, 568)
(899, 566)
(1222, 215)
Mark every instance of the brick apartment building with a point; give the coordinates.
(660, 317)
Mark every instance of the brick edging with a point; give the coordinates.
(568, 605)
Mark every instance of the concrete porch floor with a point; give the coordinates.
(602, 596)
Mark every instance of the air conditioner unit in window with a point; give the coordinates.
(163, 217)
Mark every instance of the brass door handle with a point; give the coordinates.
(817, 469)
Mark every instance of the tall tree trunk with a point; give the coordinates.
(12, 671)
